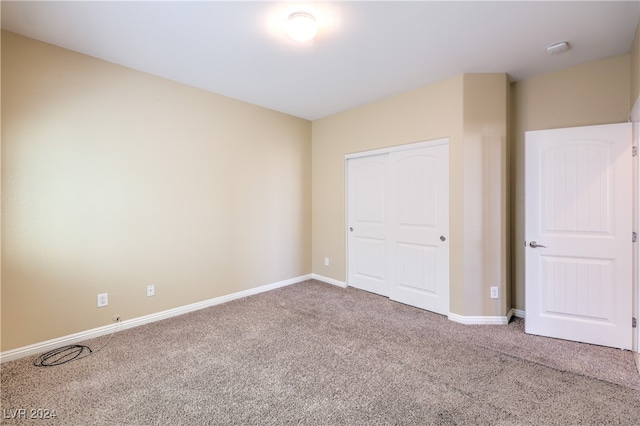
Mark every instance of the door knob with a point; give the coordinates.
(351, 229)
(533, 244)
(442, 238)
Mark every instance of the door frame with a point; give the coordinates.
(388, 150)
(634, 117)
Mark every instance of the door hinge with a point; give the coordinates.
(634, 237)
(634, 151)
(634, 323)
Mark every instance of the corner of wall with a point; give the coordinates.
(486, 209)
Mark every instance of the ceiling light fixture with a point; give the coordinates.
(301, 26)
(558, 48)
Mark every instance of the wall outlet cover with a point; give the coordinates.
(103, 299)
(495, 294)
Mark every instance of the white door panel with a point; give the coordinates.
(420, 228)
(578, 205)
(368, 219)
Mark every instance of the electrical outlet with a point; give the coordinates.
(151, 290)
(103, 299)
(326, 261)
(495, 294)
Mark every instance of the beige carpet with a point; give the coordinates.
(312, 353)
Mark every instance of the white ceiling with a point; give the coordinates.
(364, 51)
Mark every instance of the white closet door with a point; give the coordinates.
(419, 231)
(398, 225)
(368, 223)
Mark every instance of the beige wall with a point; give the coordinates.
(431, 112)
(113, 179)
(486, 210)
(589, 94)
(471, 111)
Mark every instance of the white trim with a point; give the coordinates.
(37, 348)
(635, 131)
(509, 315)
(634, 117)
(518, 313)
(328, 280)
(396, 148)
(478, 320)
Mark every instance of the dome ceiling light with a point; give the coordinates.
(301, 26)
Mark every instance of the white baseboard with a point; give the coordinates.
(478, 320)
(329, 280)
(518, 313)
(48, 345)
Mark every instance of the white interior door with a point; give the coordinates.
(368, 223)
(419, 231)
(579, 234)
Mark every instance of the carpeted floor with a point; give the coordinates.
(312, 353)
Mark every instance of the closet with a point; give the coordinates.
(398, 223)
